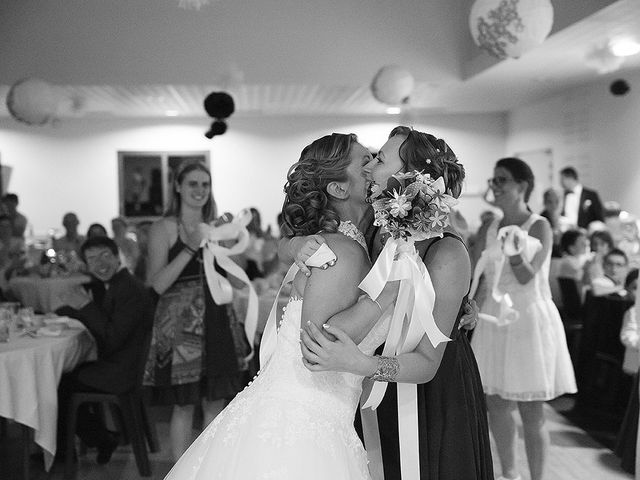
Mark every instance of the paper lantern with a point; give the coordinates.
(33, 101)
(218, 105)
(392, 85)
(508, 28)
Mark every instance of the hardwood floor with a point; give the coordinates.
(573, 455)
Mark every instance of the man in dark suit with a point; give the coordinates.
(581, 205)
(121, 323)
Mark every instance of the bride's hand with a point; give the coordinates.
(303, 247)
(320, 354)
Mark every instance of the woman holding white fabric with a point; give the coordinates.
(519, 342)
(192, 359)
(453, 437)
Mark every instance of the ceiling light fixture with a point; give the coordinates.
(602, 59)
(193, 4)
(624, 47)
(171, 113)
(394, 110)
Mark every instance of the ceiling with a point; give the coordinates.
(141, 58)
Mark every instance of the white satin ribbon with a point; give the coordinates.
(270, 335)
(412, 319)
(220, 288)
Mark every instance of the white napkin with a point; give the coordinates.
(321, 256)
(50, 331)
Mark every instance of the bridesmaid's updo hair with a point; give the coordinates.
(428, 154)
(520, 171)
(307, 206)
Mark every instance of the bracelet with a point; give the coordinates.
(387, 370)
(366, 295)
(190, 250)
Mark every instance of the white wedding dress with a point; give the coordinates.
(288, 424)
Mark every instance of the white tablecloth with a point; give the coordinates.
(43, 294)
(30, 371)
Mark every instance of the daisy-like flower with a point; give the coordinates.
(400, 206)
(438, 220)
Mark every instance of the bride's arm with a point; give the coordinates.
(450, 270)
(330, 291)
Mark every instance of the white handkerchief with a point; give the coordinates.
(323, 255)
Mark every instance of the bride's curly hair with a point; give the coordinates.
(426, 153)
(307, 206)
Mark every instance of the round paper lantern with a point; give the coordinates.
(33, 101)
(392, 85)
(508, 28)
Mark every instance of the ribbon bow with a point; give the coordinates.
(220, 288)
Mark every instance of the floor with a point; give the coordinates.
(573, 454)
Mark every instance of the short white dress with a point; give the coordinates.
(521, 349)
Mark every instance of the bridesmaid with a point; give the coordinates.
(192, 359)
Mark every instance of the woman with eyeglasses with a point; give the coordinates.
(519, 342)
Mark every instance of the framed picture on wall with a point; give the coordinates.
(146, 180)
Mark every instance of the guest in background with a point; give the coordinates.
(12, 252)
(630, 338)
(581, 205)
(600, 243)
(192, 358)
(18, 220)
(552, 208)
(522, 354)
(72, 240)
(614, 273)
(574, 246)
(128, 247)
(120, 323)
(96, 230)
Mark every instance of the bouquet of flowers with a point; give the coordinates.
(414, 206)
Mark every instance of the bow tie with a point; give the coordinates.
(567, 192)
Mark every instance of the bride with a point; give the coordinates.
(290, 423)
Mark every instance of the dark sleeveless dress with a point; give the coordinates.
(192, 354)
(452, 417)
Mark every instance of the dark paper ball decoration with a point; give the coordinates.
(219, 105)
(218, 127)
(619, 87)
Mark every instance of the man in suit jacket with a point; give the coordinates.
(581, 205)
(121, 323)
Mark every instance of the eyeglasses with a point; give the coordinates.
(498, 181)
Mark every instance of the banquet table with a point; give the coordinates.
(30, 370)
(43, 294)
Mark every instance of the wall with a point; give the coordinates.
(588, 128)
(73, 166)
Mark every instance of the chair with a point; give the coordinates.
(131, 405)
(572, 315)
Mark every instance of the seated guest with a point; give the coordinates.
(18, 220)
(630, 338)
(72, 240)
(600, 243)
(120, 323)
(612, 281)
(12, 251)
(96, 230)
(574, 246)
